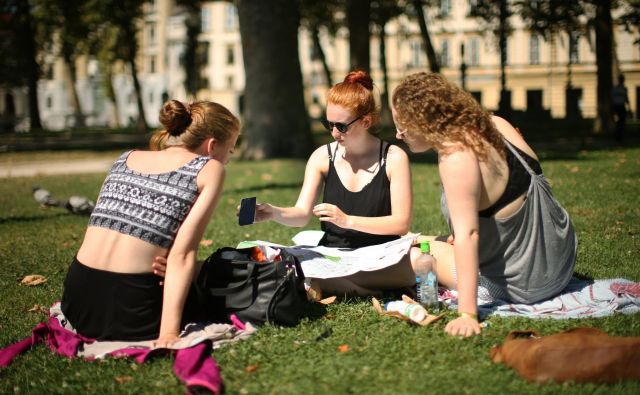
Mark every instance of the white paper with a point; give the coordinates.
(328, 262)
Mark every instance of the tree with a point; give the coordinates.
(495, 14)
(192, 64)
(604, 52)
(314, 16)
(276, 120)
(124, 15)
(66, 31)
(358, 18)
(434, 65)
(382, 11)
(18, 53)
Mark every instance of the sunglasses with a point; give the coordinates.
(342, 127)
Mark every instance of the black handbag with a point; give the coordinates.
(231, 282)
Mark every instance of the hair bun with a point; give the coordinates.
(359, 77)
(175, 117)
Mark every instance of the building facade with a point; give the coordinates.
(555, 78)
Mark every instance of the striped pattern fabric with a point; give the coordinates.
(150, 207)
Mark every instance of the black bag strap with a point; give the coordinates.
(281, 286)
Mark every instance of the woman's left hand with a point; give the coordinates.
(159, 266)
(331, 213)
(463, 326)
(166, 341)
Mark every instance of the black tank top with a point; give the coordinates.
(373, 200)
(518, 182)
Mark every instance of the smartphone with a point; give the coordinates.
(247, 214)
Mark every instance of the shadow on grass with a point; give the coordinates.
(17, 219)
(257, 188)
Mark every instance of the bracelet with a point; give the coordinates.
(470, 315)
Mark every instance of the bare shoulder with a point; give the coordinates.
(513, 135)
(319, 159)
(396, 156)
(212, 173)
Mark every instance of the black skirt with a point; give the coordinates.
(106, 305)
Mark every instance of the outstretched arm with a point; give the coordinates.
(299, 214)
(460, 174)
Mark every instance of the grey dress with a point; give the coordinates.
(528, 256)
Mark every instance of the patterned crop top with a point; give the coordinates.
(150, 207)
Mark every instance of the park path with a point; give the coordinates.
(71, 166)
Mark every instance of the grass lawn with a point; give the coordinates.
(599, 188)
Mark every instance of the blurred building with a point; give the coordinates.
(550, 79)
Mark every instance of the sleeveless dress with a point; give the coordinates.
(530, 255)
(373, 200)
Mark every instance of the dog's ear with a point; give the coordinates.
(496, 354)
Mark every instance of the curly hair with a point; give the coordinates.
(355, 93)
(440, 112)
(189, 125)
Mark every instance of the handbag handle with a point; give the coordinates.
(230, 290)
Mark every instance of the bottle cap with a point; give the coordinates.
(425, 247)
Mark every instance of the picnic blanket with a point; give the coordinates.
(193, 362)
(580, 299)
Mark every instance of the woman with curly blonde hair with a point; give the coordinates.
(509, 234)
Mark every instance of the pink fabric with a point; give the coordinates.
(193, 365)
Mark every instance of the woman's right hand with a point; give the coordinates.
(264, 212)
(463, 326)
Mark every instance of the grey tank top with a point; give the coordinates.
(150, 207)
(530, 255)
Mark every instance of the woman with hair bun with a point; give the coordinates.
(152, 203)
(367, 187)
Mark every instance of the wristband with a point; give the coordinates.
(470, 315)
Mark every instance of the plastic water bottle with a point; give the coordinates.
(427, 279)
(415, 312)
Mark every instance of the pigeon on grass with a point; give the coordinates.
(44, 197)
(79, 205)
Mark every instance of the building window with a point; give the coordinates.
(151, 33)
(416, 53)
(230, 82)
(474, 52)
(574, 47)
(230, 17)
(205, 19)
(473, 8)
(444, 8)
(202, 53)
(444, 53)
(49, 102)
(152, 65)
(151, 97)
(231, 55)
(534, 49)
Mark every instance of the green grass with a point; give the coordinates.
(600, 190)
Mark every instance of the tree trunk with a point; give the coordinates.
(129, 31)
(315, 36)
(33, 70)
(604, 47)
(111, 95)
(191, 63)
(385, 112)
(359, 36)
(434, 65)
(504, 107)
(70, 82)
(276, 121)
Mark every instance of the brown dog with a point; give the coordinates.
(581, 354)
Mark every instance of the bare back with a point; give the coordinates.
(110, 250)
(495, 174)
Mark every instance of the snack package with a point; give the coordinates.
(426, 321)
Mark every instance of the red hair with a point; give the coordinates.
(355, 93)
